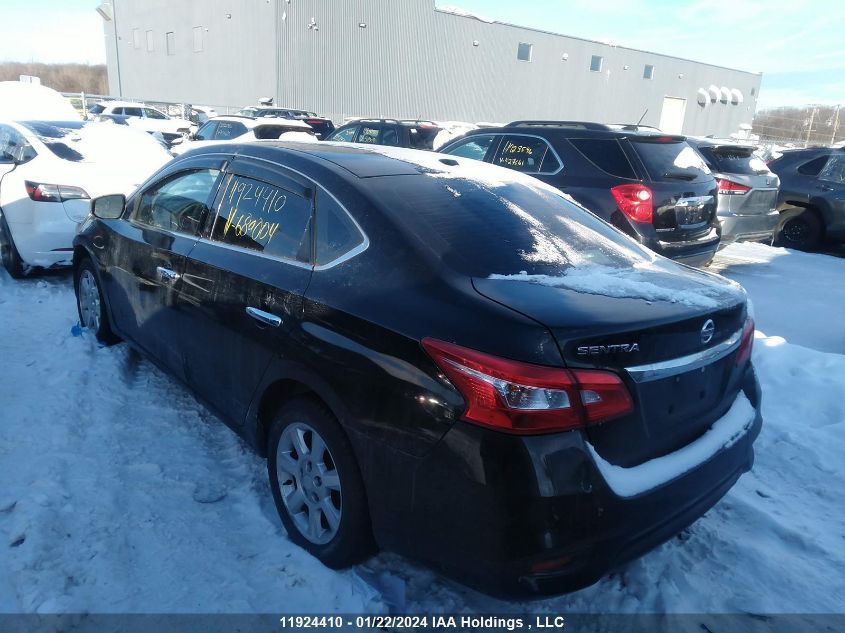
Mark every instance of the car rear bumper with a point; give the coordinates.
(527, 516)
(693, 252)
(737, 228)
(47, 241)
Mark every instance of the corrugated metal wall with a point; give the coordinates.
(409, 61)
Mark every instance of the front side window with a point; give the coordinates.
(179, 203)
(265, 218)
(229, 129)
(337, 234)
(131, 111)
(834, 171)
(97, 108)
(526, 154)
(474, 147)
(206, 132)
(345, 135)
(368, 134)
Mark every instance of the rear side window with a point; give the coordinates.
(368, 134)
(813, 167)
(96, 108)
(474, 147)
(390, 136)
(670, 161)
(422, 137)
(528, 154)
(132, 111)
(337, 234)
(733, 160)
(265, 218)
(229, 129)
(179, 203)
(606, 154)
(152, 113)
(834, 171)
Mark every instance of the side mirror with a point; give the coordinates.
(108, 207)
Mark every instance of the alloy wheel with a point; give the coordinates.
(89, 300)
(309, 483)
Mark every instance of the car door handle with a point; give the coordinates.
(166, 275)
(267, 318)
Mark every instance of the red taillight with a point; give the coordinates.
(635, 201)
(728, 187)
(42, 192)
(746, 343)
(523, 398)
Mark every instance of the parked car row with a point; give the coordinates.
(443, 358)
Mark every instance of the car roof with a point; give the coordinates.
(370, 161)
(576, 129)
(123, 104)
(252, 122)
(408, 122)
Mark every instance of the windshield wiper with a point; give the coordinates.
(680, 175)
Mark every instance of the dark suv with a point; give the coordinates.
(395, 132)
(812, 196)
(523, 412)
(652, 186)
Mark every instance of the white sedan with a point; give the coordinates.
(145, 118)
(50, 171)
(242, 129)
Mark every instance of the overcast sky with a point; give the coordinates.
(797, 44)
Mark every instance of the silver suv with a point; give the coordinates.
(748, 191)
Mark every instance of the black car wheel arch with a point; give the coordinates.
(12, 261)
(800, 228)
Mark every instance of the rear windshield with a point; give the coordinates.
(733, 160)
(670, 161)
(481, 228)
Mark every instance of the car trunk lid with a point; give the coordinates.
(676, 357)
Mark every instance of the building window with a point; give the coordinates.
(197, 39)
(524, 52)
(595, 63)
(150, 47)
(170, 40)
(136, 38)
(648, 72)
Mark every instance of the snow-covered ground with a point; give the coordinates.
(119, 493)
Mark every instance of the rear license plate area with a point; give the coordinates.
(689, 218)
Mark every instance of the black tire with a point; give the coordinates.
(12, 261)
(351, 541)
(800, 229)
(90, 317)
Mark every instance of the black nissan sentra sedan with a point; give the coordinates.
(438, 357)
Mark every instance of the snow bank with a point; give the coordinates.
(725, 432)
(34, 102)
(119, 493)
